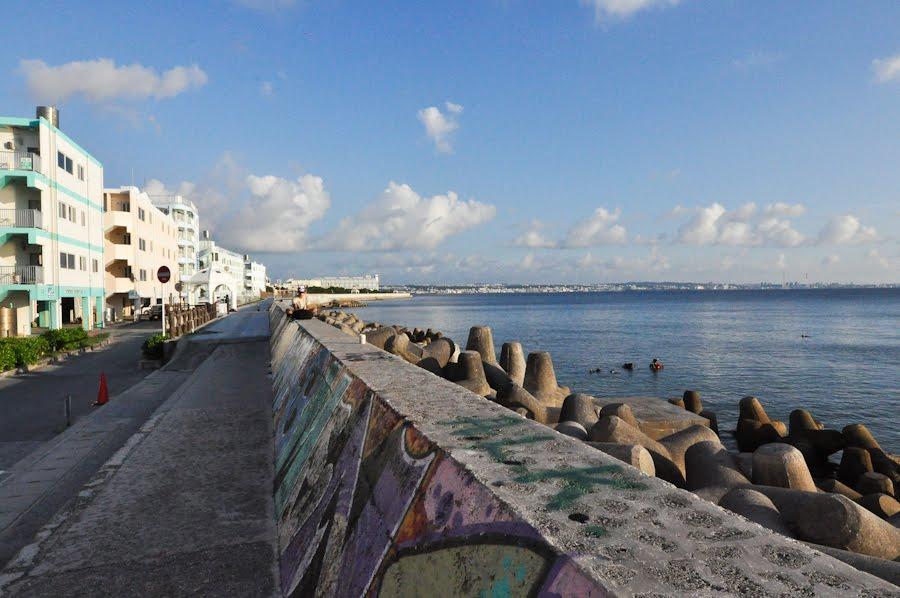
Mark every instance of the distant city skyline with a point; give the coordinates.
(578, 141)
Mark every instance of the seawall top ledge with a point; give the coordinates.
(603, 527)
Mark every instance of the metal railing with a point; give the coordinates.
(21, 274)
(19, 161)
(21, 219)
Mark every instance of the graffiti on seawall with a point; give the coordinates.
(366, 505)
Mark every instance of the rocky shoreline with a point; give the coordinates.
(781, 477)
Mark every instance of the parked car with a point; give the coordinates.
(151, 312)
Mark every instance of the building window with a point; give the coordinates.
(82, 218)
(63, 261)
(62, 210)
(67, 261)
(72, 214)
(142, 245)
(141, 214)
(71, 258)
(82, 263)
(95, 266)
(69, 165)
(60, 159)
(80, 172)
(143, 274)
(128, 273)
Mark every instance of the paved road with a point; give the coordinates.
(32, 404)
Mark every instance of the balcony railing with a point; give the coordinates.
(21, 274)
(21, 219)
(19, 161)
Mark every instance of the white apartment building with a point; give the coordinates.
(368, 282)
(254, 279)
(51, 227)
(138, 239)
(220, 275)
(186, 218)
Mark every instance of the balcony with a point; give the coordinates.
(120, 284)
(114, 218)
(21, 219)
(119, 251)
(19, 161)
(21, 275)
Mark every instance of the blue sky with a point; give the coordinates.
(521, 141)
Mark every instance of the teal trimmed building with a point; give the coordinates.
(51, 227)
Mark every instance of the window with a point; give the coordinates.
(143, 274)
(67, 261)
(72, 214)
(141, 214)
(82, 263)
(142, 245)
(71, 259)
(129, 273)
(80, 172)
(82, 218)
(63, 261)
(62, 210)
(69, 165)
(60, 159)
(95, 266)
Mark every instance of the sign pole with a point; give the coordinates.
(163, 275)
(162, 299)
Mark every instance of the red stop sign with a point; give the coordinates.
(163, 274)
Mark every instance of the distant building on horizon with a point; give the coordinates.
(367, 282)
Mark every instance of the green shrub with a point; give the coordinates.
(65, 339)
(7, 354)
(30, 349)
(153, 346)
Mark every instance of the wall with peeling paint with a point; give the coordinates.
(390, 481)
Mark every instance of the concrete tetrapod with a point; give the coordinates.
(781, 465)
(754, 426)
(711, 469)
(757, 507)
(859, 435)
(614, 429)
(512, 360)
(633, 454)
(883, 505)
(833, 485)
(579, 408)
(380, 336)
(441, 350)
(836, 521)
(400, 346)
(678, 443)
(481, 339)
(471, 373)
(873, 482)
(692, 401)
(622, 410)
(540, 379)
(572, 428)
(855, 461)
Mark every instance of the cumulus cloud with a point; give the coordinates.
(101, 80)
(622, 9)
(830, 260)
(599, 229)
(439, 126)
(533, 238)
(402, 219)
(874, 255)
(847, 230)
(278, 213)
(887, 69)
(744, 227)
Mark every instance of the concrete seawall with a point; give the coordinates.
(389, 479)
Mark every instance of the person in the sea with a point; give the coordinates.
(656, 364)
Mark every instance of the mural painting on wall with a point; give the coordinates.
(367, 505)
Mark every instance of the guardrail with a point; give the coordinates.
(19, 161)
(21, 274)
(21, 218)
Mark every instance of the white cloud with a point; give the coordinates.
(533, 238)
(781, 262)
(266, 89)
(599, 229)
(101, 80)
(785, 209)
(401, 219)
(847, 230)
(622, 9)
(743, 227)
(879, 259)
(277, 215)
(439, 125)
(886, 69)
(830, 260)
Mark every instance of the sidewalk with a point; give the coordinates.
(185, 506)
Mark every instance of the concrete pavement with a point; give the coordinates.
(32, 404)
(184, 506)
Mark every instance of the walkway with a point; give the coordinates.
(184, 507)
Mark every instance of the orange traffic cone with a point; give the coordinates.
(103, 393)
